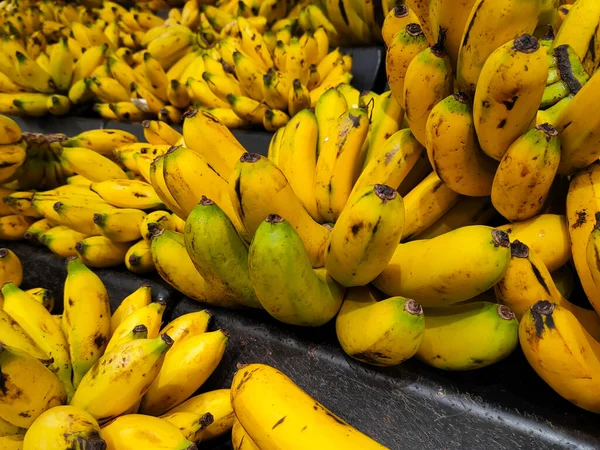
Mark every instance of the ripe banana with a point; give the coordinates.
(11, 269)
(90, 164)
(395, 20)
(240, 439)
(283, 278)
(187, 326)
(101, 252)
(291, 410)
(364, 336)
(120, 225)
(149, 316)
(488, 333)
(386, 118)
(136, 300)
(86, 317)
(473, 259)
(508, 96)
(139, 258)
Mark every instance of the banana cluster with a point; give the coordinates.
(125, 366)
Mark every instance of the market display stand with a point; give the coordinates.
(505, 406)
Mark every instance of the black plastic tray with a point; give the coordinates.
(506, 406)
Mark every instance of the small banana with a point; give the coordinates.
(11, 269)
(136, 300)
(138, 258)
(149, 316)
(127, 194)
(100, 251)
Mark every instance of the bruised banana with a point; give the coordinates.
(365, 235)
(528, 281)
(254, 383)
(285, 283)
(258, 188)
(381, 333)
(219, 253)
(453, 149)
(461, 264)
(469, 336)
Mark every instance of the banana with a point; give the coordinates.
(240, 439)
(250, 75)
(138, 299)
(340, 162)
(21, 203)
(298, 158)
(154, 221)
(90, 59)
(228, 274)
(218, 404)
(58, 105)
(213, 141)
(482, 35)
(129, 369)
(44, 296)
(11, 269)
(365, 235)
(473, 259)
(29, 387)
(160, 133)
(427, 81)
(174, 265)
(274, 119)
(61, 65)
(120, 225)
(132, 431)
(467, 211)
(103, 141)
(562, 353)
(489, 333)
(292, 409)
(298, 97)
(507, 97)
(425, 204)
(580, 30)
(11, 436)
(37, 322)
(170, 115)
(157, 78)
(364, 337)
(404, 47)
(247, 108)
(454, 151)
(14, 336)
(100, 251)
(189, 424)
(202, 96)
(14, 227)
(578, 130)
(187, 326)
(254, 44)
(527, 280)
(10, 131)
(184, 371)
(33, 75)
(275, 89)
(61, 240)
(81, 91)
(281, 287)
(80, 217)
(127, 194)
(62, 427)
(86, 317)
(386, 118)
(526, 172)
(258, 188)
(395, 20)
(149, 316)
(177, 94)
(127, 111)
(90, 164)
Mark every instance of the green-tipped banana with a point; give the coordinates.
(219, 253)
(284, 280)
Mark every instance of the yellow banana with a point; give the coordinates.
(12, 335)
(523, 179)
(86, 317)
(187, 326)
(274, 119)
(61, 240)
(364, 336)
(10, 131)
(250, 74)
(287, 400)
(90, 164)
(247, 108)
(138, 299)
(281, 272)
(489, 333)
(154, 221)
(240, 439)
(37, 322)
(473, 259)
(174, 265)
(387, 116)
(44, 296)
(103, 141)
(127, 111)
(482, 36)
(100, 251)
(11, 269)
(138, 258)
(140, 359)
(61, 65)
(127, 194)
(403, 48)
(298, 97)
(149, 316)
(119, 225)
(365, 235)
(425, 204)
(90, 59)
(508, 97)
(63, 427)
(395, 20)
(160, 133)
(33, 75)
(454, 151)
(184, 371)
(30, 388)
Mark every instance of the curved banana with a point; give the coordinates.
(387, 116)
(139, 258)
(381, 333)
(365, 235)
(149, 316)
(460, 265)
(396, 20)
(284, 280)
(526, 173)
(289, 411)
(469, 336)
(187, 326)
(453, 149)
(240, 439)
(186, 367)
(85, 318)
(61, 240)
(136, 300)
(90, 164)
(11, 269)
(154, 221)
(120, 225)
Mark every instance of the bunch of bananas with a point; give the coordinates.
(126, 365)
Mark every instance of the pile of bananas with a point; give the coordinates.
(104, 366)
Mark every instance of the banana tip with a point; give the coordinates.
(3, 253)
(543, 307)
(500, 238)
(413, 307)
(505, 312)
(519, 250)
